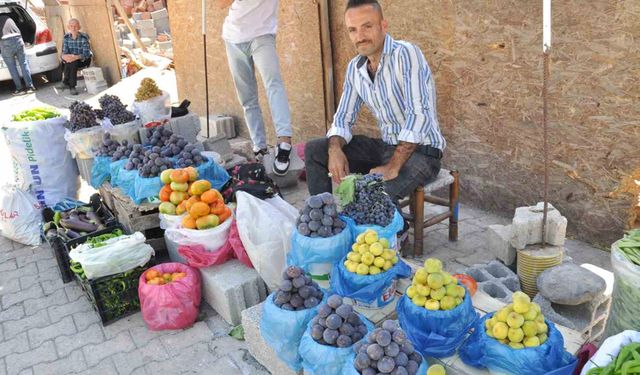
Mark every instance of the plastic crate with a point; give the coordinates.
(114, 297)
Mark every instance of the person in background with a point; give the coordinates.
(249, 34)
(76, 54)
(12, 48)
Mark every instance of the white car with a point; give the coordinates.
(40, 48)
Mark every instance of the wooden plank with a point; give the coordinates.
(132, 29)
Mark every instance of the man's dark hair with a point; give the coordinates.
(358, 3)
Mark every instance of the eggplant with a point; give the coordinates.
(72, 234)
(78, 225)
(94, 218)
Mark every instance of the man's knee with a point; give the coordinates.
(316, 149)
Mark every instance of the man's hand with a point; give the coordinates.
(70, 58)
(387, 172)
(338, 163)
(403, 152)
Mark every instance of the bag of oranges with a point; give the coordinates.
(169, 296)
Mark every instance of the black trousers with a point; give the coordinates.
(71, 71)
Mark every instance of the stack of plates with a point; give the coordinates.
(532, 262)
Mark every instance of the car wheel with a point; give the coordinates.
(54, 75)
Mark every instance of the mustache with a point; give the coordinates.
(363, 42)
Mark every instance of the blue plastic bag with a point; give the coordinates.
(145, 188)
(483, 351)
(125, 180)
(100, 171)
(390, 232)
(349, 368)
(436, 333)
(318, 359)
(306, 250)
(367, 289)
(282, 330)
(213, 173)
(114, 170)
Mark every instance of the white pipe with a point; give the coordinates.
(204, 17)
(546, 25)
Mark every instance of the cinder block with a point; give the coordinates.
(495, 279)
(219, 144)
(145, 24)
(258, 348)
(235, 160)
(527, 226)
(162, 25)
(137, 16)
(187, 126)
(232, 287)
(165, 45)
(498, 240)
(296, 167)
(219, 124)
(148, 33)
(160, 13)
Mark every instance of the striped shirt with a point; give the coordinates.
(402, 97)
(79, 46)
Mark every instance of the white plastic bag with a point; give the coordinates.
(119, 254)
(211, 239)
(20, 216)
(265, 228)
(41, 161)
(83, 143)
(128, 131)
(154, 109)
(170, 221)
(610, 349)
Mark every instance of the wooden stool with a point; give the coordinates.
(416, 206)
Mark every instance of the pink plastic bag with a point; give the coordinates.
(174, 305)
(299, 147)
(197, 256)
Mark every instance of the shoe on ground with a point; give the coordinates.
(17, 92)
(282, 160)
(73, 91)
(30, 90)
(259, 155)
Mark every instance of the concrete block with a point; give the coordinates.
(258, 348)
(219, 124)
(232, 287)
(235, 160)
(219, 144)
(148, 33)
(498, 241)
(160, 13)
(137, 16)
(165, 45)
(145, 24)
(187, 126)
(290, 179)
(527, 226)
(495, 279)
(147, 41)
(162, 25)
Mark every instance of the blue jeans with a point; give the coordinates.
(243, 59)
(12, 49)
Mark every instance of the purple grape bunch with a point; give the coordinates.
(114, 110)
(81, 116)
(337, 324)
(371, 204)
(319, 217)
(387, 350)
(297, 291)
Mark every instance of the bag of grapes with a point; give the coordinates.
(330, 336)
(320, 239)
(385, 350)
(286, 314)
(482, 351)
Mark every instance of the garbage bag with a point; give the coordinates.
(100, 171)
(306, 250)
(265, 228)
(375, 290)
(170, 306)
(283, 329)
(154, 109)
(349, 368)
(20, 216)
(390, 232)
(209, 240)
(436, 333)
(482, 351)
(318, 359)
(625, 305)
(118, 254)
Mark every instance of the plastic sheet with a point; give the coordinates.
(100, 171)
(306, 250)
(625, 306)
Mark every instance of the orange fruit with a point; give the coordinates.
(191, 201)
(199, 209)
(151, 274)
(188, 222)
(192, 172)
(165, 193)
(210, 196)
(179, 175)
(167, 277)
(199, 187)
(181, 208)
(153, 281)
(158, 281)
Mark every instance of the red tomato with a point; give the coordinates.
(468, 281)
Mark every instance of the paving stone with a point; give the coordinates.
(482, 256)
(18, 362)
(570, 284)
(26, 372)
(10, 286)
(232, 287)
(527, 226)
(23, 260)
(143, 335)
(9, 300)
(39, 335)
(127, 362)
(498, 242)
(226, 345)
(51, 286)
(34, 305)
(105, 367)
(29, 269)
(183, 339)
(45, 264)
(196, 359)
(13, 327)
(74, 292)
(247, 364)
(85, 319)
(69, 343)
(8, 265)
(51, 274)
(3, 368)
(217, 325)
(17, 344)
(12, 313)
(123, 325)
(95, 353)
(58, 312)
(73, 363)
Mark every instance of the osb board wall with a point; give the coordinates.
(486, 58)
(95, 20)
(298, 44)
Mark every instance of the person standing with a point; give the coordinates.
(76, 54)
(249, 34)
(12, 48)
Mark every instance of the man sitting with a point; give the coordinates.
(393, 79)
(76, 54)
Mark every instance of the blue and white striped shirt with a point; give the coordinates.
(402, 97)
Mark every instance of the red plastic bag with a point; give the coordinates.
(174, 305)
(299, 147)
(197, 256)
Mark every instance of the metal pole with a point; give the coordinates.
(546, 49)
(206, 71)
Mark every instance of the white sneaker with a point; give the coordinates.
(282, 161)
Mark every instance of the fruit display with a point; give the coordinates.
(183, 193)
(387, 350)
(114, 110)
(519, 324)
(365, 201)
(148, 89)
(35, 114)
(297, 291)
(81, 116)
(337, 324)
(149, 163)
(435, 289)
(172, 145)
(370, 255)
(108, 146)
(154, 277)
(468, 281)
(319, 217)
(124, 150)
(436, 369)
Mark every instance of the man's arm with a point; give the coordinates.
(223, 3)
